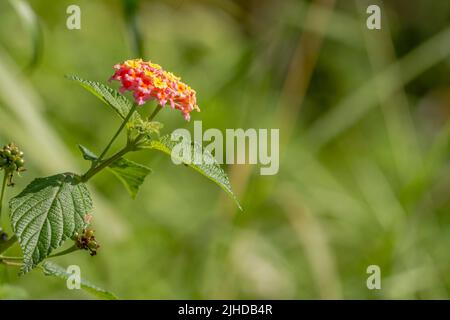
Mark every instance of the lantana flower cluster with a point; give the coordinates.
(148, 81)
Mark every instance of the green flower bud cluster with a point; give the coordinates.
(11, 160)
(87, 241)
(144, 128)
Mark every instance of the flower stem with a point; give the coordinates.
(10, 258)
(93, 171)
(155, 112)
(64, 252)
(125, 121)
(5, 177)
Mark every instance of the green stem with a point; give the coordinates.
(5, 177)
(64, 252)
(10, 263)
(125, 121)
(155, 112)
(93, 171)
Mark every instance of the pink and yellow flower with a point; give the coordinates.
(148, 81)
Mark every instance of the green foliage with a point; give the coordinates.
(350, 192)
(87, 154)
(12, 292)
(33, 26)
(47, 212)
(52, 269)
(119, 103)
(130, 173)
(145, 128)
(209, 166)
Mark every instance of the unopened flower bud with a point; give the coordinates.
(87, 241)
(11, 160)
(19, 162)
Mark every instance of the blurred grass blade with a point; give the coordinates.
(396, 110)
(353, 107)
(130, 11)
(33, 26)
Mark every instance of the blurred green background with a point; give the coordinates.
(364, 153)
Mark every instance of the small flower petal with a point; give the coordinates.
(148, 81)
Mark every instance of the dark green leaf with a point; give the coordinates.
(33, 27)
(119, 103)
(47, 212)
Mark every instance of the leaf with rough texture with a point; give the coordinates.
(130, 173)
(209, 168)
(47, 212)
(119, 103)
(52, 269)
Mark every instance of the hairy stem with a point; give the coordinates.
(64, 252)
(5, 178)
(93, 171)
(125, 121)
(155, 112)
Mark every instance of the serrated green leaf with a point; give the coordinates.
(52, 269)
(130, 173)
(119, 103)
(209, 168)
(47, 212)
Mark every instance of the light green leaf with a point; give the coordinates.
(52, 269)
(47, 212)
(130, 173)
(209, 167)
(119, 103)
